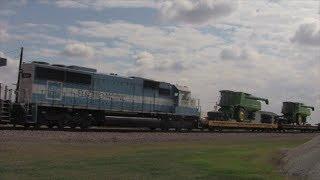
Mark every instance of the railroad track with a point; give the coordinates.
(146, 130)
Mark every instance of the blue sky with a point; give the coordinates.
(268, 48)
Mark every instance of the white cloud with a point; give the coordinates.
(42, 27)
(236, 53)
(13, 3)
(146, 64)
(7, 12)
(308, 34)
(4, 36)
(146, 37)
(145, 59)
(102, 4)
(8, 73)
(78, 50)
(196, 11)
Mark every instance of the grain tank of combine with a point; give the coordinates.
(239, 105)
(295, 112)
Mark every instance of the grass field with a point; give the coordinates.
(243, 159)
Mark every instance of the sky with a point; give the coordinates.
(269, 48)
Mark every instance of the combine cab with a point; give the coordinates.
(295, 113)
(237, 105)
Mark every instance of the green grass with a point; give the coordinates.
(245, 159)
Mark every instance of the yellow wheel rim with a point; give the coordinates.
(241, 116)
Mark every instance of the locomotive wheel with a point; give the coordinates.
(152, 128)
(164, 125)
(241, 115)
(75, 120)
(85, 121)
(37, 126)
(165, 129)
(72, 125)
(50, 125)
(71, 121)
(60, 124)
(26, 125)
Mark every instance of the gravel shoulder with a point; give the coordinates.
(135, 137)
(303, 162)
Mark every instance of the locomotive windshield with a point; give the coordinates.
(186, 100)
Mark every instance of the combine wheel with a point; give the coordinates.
(85, 121)
(241, 115)
(299, 119)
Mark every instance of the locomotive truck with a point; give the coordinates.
(74, 96)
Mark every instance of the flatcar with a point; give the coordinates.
(74, 96)
(238, 111)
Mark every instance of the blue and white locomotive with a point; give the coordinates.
(77, 96)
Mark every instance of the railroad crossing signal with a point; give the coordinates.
(3, 61)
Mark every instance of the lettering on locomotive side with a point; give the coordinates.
(100, 95)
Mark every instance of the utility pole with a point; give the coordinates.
(19, 74)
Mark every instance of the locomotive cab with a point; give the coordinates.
(185, 104)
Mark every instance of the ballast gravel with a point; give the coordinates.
(134, 136)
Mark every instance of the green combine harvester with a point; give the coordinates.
(237, 106)
(295, 112)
